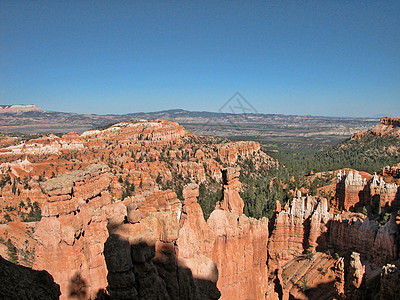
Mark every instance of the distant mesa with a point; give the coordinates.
(17, 108)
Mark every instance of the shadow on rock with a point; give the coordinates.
(77, 287)
(18, 282)
(324, 291)
(144, 270)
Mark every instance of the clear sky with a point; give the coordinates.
(331, 58)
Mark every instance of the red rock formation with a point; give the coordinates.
(352, 190)
(236, 244)
(240, 254)
(227, 248)
(196, 240)
(231, 200)
(365, 236)
(230, 152)
(393, 171)
(355, 273)
(300, 228)
(388, 121)
(73, 228)
(143, 256)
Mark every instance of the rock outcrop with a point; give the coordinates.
(392, 171)
(386, 126)
(355, 272)
(73, 229)
(306, 228)
(231, 200)
(184, 256)
(236, 244)
(240, 252)
(378, 244)
(388, 121)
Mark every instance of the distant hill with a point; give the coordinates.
(368, 151)
(272, 130)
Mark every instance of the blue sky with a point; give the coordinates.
(331, 58)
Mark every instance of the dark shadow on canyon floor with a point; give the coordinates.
(324, 291)
(150, 271)
(19, 282)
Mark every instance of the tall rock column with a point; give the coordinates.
(240, 245)
(231, 200)
(195, 242)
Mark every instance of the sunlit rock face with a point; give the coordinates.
(302, 227)
(354, 191)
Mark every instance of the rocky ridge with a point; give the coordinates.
(110, 223)
(386, 126)
(89, 209)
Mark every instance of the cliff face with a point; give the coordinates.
(237, 244)
(298, 229)
(307, 226)
(377, 244)
(143, 255)
(354, 191)
(71, 234)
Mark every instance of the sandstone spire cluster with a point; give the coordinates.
(352, 190)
